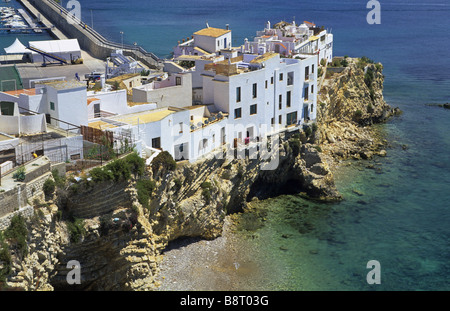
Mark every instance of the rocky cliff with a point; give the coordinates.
(118, 241)
(349, 102)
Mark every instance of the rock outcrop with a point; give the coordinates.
(348, 103)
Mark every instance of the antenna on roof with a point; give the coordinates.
(207, 26)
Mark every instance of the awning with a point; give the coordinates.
(16, 48)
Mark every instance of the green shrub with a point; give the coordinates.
(370, 108)
(358, 114)
(17, 234)
(295, 145)
(323, 62)
(144, 190)
(369, 77)
(19, 174)
(226, 174)
(206, 191)
(5, 259)
(119, 169)
(308, 131)
(177, 184)
(318, 148)
(99, 174)
(59, 180)
(76, 230)
(163, 161)
(136, 164)
(49, 187)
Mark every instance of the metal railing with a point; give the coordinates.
(102, 40)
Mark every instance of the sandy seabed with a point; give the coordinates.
(223, 264)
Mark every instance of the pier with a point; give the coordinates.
(29, 21)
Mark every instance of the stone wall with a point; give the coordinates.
(26, 212)
(12, 200)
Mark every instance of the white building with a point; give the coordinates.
(262, 92)
(290, 40)
(205, 41)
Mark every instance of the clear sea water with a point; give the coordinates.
(398, 214)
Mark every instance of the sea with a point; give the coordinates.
(392, 230)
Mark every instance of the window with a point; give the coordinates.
(238, 94)
(312, 68)
(271, 80)
(288, 99)
(280, 101)
(312, 89)
(178, 81)
(290, 78)
(291, 118)
(281, 77)
(237, 113)
(255, 90)
(181, 127)
(253, 109)
(52, 105)
(266, 84)
(272, 121)
(306, 95)
(97, 111)
(131, 84)
(312, 108)
(306, 73)
(280, 119)
(156, 142)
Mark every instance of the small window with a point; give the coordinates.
(237, 113)
(280, 119)
(253, 109)
(290, 78)
(255, 90)
(312, 88)
(238, 94)
(271, 80)
(280, 101)
(312, 108)
(178, 81)
(266, 84)
(52, 105)
(156, 142)
(281, 77)
(288, 99)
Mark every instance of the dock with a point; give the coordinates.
(30, 22)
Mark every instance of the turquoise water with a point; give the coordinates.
(398, 214)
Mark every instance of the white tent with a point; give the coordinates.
(68, 49)
(17, 48)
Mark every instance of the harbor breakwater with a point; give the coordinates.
(89, 40)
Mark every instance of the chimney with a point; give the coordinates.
(227, 26)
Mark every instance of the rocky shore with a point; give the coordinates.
(127, 245)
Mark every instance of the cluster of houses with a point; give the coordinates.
(209, 95)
